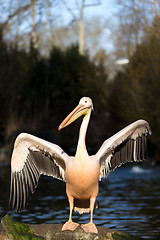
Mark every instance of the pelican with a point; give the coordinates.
(33, 156)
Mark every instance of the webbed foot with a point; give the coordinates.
(89, 227)
(70, 226)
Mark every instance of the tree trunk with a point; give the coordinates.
(81, 31)
(33, 33)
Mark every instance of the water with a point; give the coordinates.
(129, 201)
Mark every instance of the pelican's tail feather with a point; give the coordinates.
(83, 205)
(81, 210)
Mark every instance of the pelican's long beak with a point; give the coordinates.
(76, 113)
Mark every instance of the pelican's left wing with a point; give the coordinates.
(31, 157)
(127, 145)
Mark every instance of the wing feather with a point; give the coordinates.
(32, 157)
(13, 190)
(19, 191)
(26, 184)
(24, 191)
(128, 145)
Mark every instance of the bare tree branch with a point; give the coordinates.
(70, 10)
(93, 4)
(18, 11)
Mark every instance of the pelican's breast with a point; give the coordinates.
(82, 177)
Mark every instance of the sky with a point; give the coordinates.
(106, 11)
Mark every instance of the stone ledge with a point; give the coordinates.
(21, 231)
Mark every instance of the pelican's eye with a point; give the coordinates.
(85, 101)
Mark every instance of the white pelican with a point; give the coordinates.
(33, 156)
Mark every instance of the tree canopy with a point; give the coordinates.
(136, 92)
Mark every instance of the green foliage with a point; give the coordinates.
(35, 92)
(72, 76)
(136, 93)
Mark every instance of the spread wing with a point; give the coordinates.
(128, 145)
(32, 157)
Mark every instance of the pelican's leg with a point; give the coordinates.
(90, 227)
(70, 225)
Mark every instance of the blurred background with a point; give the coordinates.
(54, 52)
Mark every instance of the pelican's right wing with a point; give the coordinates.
(128, 145)
(31, 157)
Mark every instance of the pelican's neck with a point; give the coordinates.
(81, 146)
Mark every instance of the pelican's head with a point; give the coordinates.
(84, 107)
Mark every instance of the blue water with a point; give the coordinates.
(129, 201)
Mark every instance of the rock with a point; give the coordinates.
(3, 234)
(20, 231)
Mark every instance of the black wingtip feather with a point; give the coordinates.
(11, 192)
(29, 177)
(128, 151)
(26, 180)
(14, 191)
